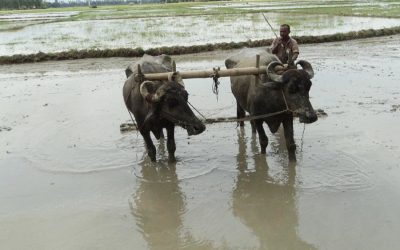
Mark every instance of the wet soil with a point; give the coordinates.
(69, 179)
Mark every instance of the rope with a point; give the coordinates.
(208, 121)
(248, 118)
(302, 137)
(197, 110)
(216, 83)
(136, 126)
(255, 117)
(284, 98)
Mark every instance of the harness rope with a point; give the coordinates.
(216, 82)
(255, 117)
(208, 121)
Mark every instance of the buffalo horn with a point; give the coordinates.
(271, 72)
(306, 67)
(145, 92)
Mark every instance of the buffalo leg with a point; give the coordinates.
(151, 149)
(253, 127)
(158, 133)
(171, 143)
(290, 144)
(262, 137)
(240, 113)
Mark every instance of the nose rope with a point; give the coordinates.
(284, 99)
(249, 118)
(170, 117)
(180, 122)
(302, 137)
(197, 111)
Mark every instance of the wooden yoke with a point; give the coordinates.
(206, 73)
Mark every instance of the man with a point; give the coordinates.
(285, 47)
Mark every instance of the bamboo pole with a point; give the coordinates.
(208, 73)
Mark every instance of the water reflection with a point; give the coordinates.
(266, 206)
(158, 206)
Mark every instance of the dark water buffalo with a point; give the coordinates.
(159, 104)
(270, 93)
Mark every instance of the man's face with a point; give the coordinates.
(284, 32)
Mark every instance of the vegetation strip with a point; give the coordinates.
(180, 50)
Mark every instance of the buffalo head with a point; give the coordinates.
(168, 100)
(296, 84)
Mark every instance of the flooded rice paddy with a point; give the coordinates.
(37, 16)
(290, 5)
(69, 179)
(171, 31)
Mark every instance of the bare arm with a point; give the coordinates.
(295, 49)
(275, 44)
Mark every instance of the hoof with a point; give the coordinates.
(292, 157)
(152, 158)
(171, 159)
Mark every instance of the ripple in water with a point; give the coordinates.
(336, 171)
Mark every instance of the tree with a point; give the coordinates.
(21, 4)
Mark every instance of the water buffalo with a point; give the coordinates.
(159, 104)
(271, 93)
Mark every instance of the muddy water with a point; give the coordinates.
(70, 180)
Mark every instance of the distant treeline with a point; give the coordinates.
(21, 4)
(36, 4)
(94, 3)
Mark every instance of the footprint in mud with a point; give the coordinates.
(5, 129)
(395, 108)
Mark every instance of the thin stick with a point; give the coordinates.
(269, 24)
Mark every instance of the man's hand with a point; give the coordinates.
(294, 57)
(277, 43)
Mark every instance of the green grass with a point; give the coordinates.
(185, 8)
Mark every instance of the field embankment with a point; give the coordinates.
(180, 50)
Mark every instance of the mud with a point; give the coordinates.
(69, 179)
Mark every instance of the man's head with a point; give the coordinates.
(284, 31)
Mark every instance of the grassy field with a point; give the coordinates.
(385, 8)
(184, 24)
